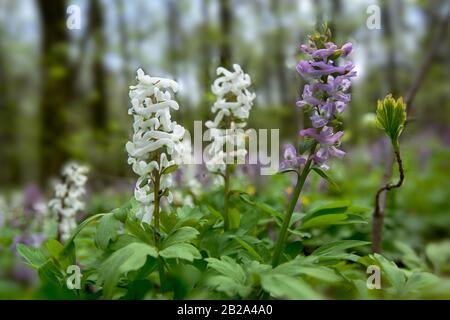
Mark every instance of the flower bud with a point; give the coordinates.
(391, 117)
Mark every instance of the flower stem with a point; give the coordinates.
(156, 215)
(226, 220)
(287, 218)
(378, 215)
(156, 209)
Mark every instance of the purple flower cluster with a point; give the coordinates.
(325, 96)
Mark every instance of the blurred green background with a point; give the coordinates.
(64, 95)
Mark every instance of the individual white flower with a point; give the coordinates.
(157, 141)
(68, 198)
(232, 109)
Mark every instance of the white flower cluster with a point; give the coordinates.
(68, 198)
(157, 140)
(232, 108)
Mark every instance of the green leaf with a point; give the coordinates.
(228, 267)
(129, 258)
(439, 255)
(330, 208)
(228, 285)
(295, 268)
(338, 246)
(246, 199)
(216, 213)
(410, 258)
(284, 286)
(289, 171)
(183, 251)
(122, 241)
(325, 176)
(392, 273)
(33, 256)
(269, 210)
(184, 234)
(236, 193)
(331, 214)
(249, 248)
(107, 231)
(188, 213)
(231, 279)
(51, 273)
(65, 256)
(234, 217)
(138, 289)
(170, 169)
(135, 227)
(54, 247)
(323, 220)
(69, 243)
(121, 213)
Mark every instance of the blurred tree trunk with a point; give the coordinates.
(173, 27)
(98, 97)
(263, 76)
(174, 47)
(124, 39)
(226, 18)
(279, 55)
(56, 86)
(391, 66)
(205, 58)
(336, 11)
(9, 164)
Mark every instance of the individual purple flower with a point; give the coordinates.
(328, 142)
(291, 158)
(318, 121)
(347, 49)
(315, 69)
(329, 50)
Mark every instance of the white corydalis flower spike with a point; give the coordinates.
(68, 198)
(232, 109)
(157, 140)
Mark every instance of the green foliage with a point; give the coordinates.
(283, 286)
(33, 256)
(325, 256)
(107, 231)
(184, 251)
(332, 213)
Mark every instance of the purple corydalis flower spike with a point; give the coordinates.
(325, 96)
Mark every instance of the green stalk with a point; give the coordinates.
(156, 209)
(287, 218)
(156, 216)
(226, 219)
